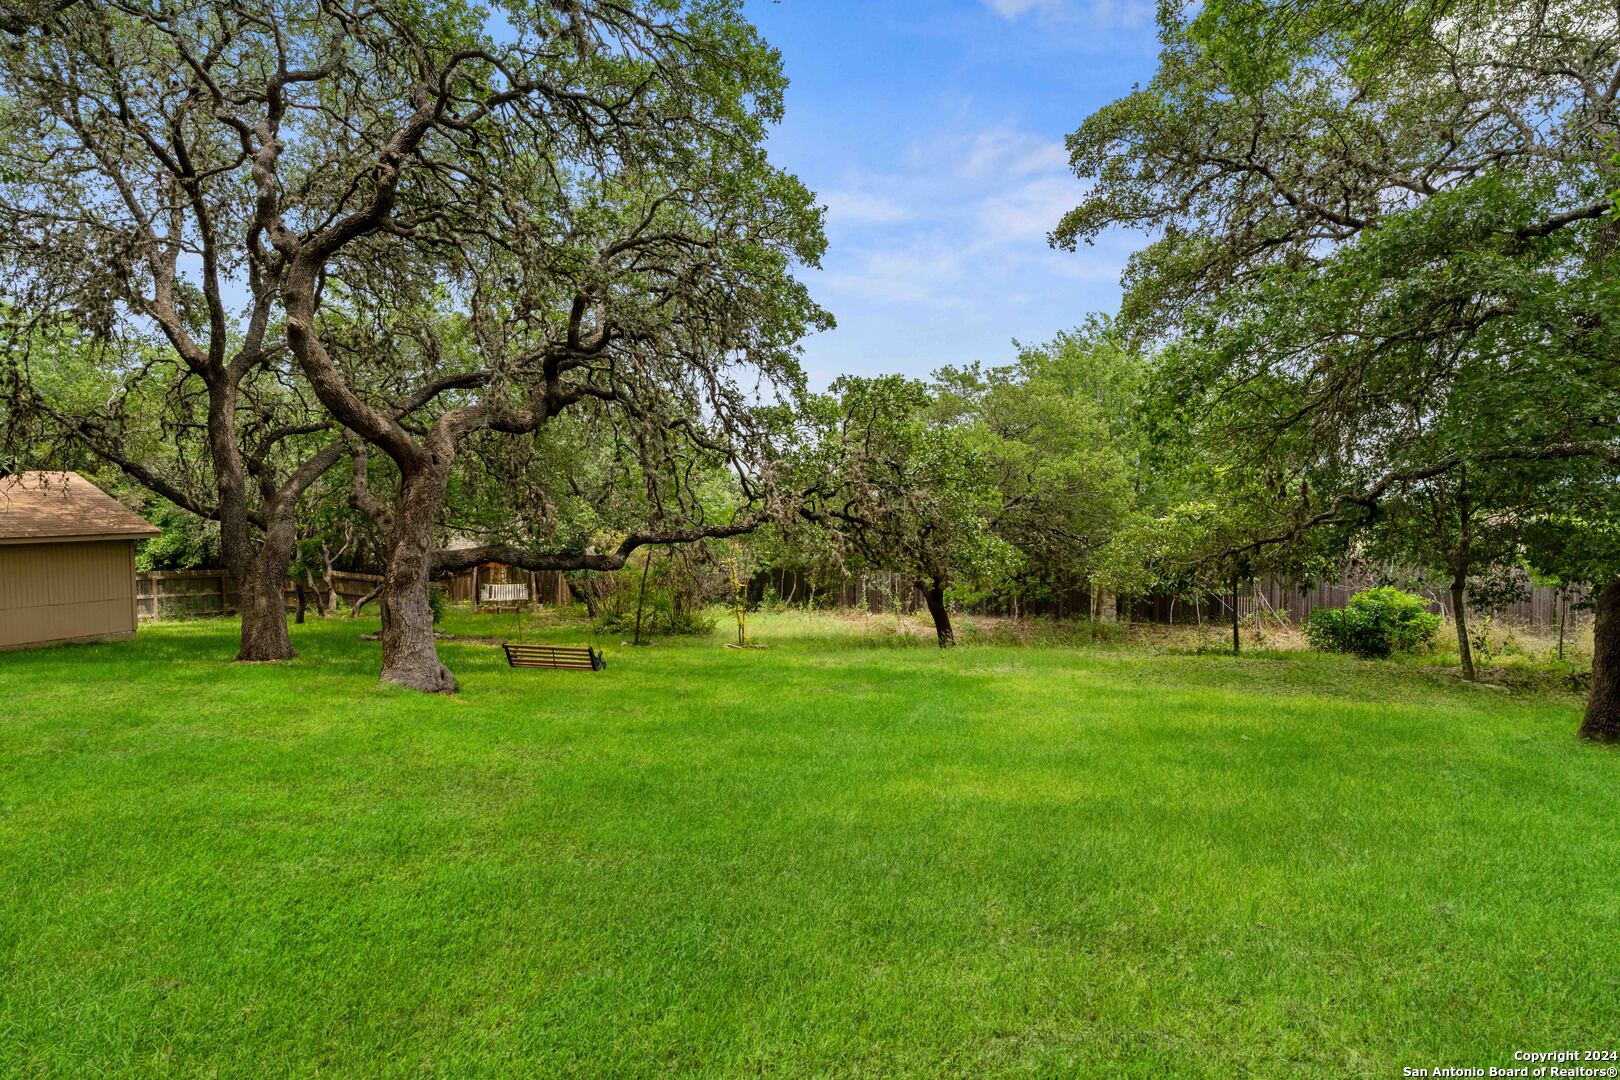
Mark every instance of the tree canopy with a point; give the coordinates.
(1383, 246)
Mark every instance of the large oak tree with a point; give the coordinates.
(127, 233)
(584, 205)
(576, 192)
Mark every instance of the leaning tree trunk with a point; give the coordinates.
(1237, 641)
(354, 612)
(1459, 614)
(1602, 720)
(1562, 607)
(934, 594)
(409, 655)
(312, 590)
(328, 586)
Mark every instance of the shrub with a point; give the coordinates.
(1375, 624)
(437, 603)
(187, 543)
(664, 616)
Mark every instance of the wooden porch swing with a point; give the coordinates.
(521, 654)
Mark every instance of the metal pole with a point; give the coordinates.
(641, 599)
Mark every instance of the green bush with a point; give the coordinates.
(187, 543)
(1375, 624)
(438, 602)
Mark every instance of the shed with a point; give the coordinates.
(67, 561)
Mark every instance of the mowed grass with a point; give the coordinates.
(822, 858)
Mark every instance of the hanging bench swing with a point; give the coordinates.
(565, 657)
(559, 657)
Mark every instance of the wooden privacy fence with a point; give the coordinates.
(1274, 598)
(1269, 597)
(179, 594)
(170, 594)
(886, 591)
(544, 586)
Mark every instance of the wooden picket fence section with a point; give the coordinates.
(187, 594)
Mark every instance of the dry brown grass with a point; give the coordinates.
(1499, 644)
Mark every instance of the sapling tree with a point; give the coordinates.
(1213, 535)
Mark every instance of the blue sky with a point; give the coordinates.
(933, 132)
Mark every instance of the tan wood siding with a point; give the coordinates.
(66, 592)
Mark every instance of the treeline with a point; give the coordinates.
(402, 287)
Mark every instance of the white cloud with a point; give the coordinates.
(1011, 155)
(1012, 9)
(943, 257)
(928, 272)
(992, 187)
(1026, 214)
(1099, 13)
(1126, 13)
(850, 206)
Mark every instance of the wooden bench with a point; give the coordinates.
(503, 597)
(564, 657)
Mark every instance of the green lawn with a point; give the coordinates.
(830, 857)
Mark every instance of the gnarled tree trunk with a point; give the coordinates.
(409, 655)
(261, 570)
(934, 594)
(262, 601)
(1602, 720)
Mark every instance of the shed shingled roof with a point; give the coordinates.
(46, 506)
